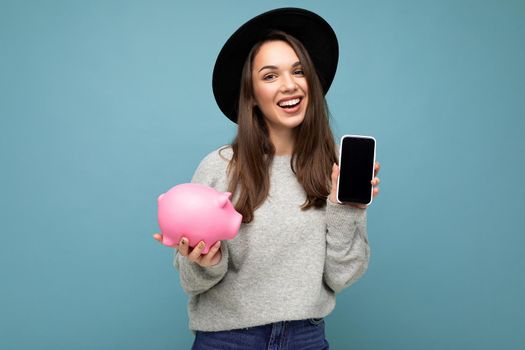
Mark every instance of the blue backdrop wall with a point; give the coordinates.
(106, 104)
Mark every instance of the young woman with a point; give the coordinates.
(271, 286)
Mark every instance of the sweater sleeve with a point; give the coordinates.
(347, 250)
(194, 278)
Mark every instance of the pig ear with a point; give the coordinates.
(160, 197)
(223, 199)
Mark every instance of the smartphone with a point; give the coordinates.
(357, 156)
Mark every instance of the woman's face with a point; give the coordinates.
(279, 85)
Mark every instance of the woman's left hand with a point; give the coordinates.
(335, 175)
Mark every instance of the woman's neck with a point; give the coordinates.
(283, 141)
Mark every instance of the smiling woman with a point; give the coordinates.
(281, 169)
(279, 69)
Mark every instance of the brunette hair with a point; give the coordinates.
(253, 152)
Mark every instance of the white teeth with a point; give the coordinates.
(289, 102)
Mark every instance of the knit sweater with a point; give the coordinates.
(287, 264)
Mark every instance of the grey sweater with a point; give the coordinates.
(287, 264)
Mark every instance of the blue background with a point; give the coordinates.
(106, 104)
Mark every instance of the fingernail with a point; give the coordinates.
(183, 241)
(201, 245)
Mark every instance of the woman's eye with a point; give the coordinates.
(298, 72)
(269, 77)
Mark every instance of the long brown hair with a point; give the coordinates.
(253, 151)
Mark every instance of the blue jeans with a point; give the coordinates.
(286, 335)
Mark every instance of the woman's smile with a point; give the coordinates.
(290, 105)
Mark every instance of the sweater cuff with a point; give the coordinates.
(343, 219)
(210, 272)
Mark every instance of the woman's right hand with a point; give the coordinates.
(213, 257)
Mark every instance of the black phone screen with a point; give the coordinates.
(356, 169)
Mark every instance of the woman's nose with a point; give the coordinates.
(289, 83)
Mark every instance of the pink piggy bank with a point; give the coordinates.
(199, 213)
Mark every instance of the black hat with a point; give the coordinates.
(309, 28)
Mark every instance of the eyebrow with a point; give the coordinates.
(275, 67)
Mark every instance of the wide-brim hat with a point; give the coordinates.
(310, 29)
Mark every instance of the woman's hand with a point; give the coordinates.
(195, 254)
(335, 175)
